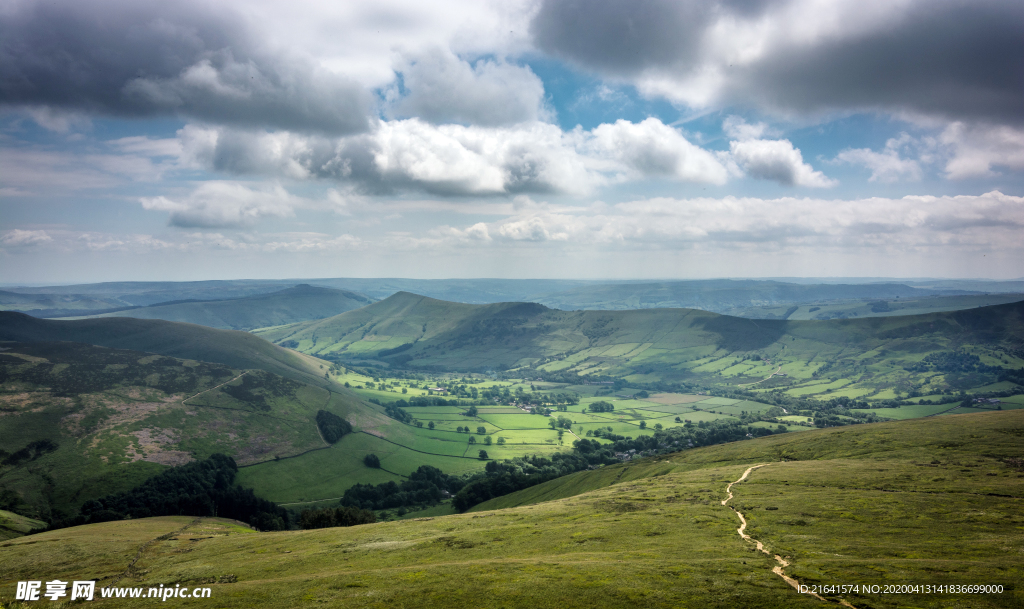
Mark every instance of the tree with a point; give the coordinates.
(641, 395)
(430, 424)
(678, 420)
(658, 426)
(643, 424)
(470, 412)
(487, 440)
(483, 455)
(472, 439)
(459, 429)
(405, 390)
(501, 440)
(371, 460)
(481, 430)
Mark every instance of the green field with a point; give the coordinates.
(929, 501)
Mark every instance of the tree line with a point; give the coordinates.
(200, 488)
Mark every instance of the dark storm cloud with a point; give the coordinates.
(953, 59)
(959, 61)
(136, 59)
(622, 37)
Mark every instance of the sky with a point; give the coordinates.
(596, 139)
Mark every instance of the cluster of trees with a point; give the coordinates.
(425, 487)
(601, 406)
(560, 422)
(953, 361)
(331, 426)
(393, 411)
(335, 517)
(504, 477)
(200, 488)
(480, 430)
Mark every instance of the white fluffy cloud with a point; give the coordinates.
(978, 150)
(777, 160)
(442, 88)
(225, 204)
(652, 148)
(456, 159)
(886, 166)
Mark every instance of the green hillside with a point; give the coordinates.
(936, 354)
(931, 502)
(299, 303)
(239, 350)
(81, 421)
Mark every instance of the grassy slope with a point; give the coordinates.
(239, 350)
(15, 525)
(118, 417)
(668, 344)
(300, 303)
(917, 502)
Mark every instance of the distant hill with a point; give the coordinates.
(877, 356)
(723, 295)
(232, 348)
(300, 303)
(757, 299)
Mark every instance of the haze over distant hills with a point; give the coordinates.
(300, 303)
(755, 299)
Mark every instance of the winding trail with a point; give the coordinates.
(783, 563)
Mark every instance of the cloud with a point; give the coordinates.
(460, 160)
(779, 161)
(442, 88)
(978, 148)
(24, 238)
(908, 225)
(886, 166)
(738, 129)
(218, 204)
(651, 148)
(149, 58)
(946, 58)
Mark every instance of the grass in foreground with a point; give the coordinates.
(931, 501)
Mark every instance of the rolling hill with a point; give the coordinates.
(862, 357)
(300, 303)
(232, 348)
(934, 502)
(80, 421)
